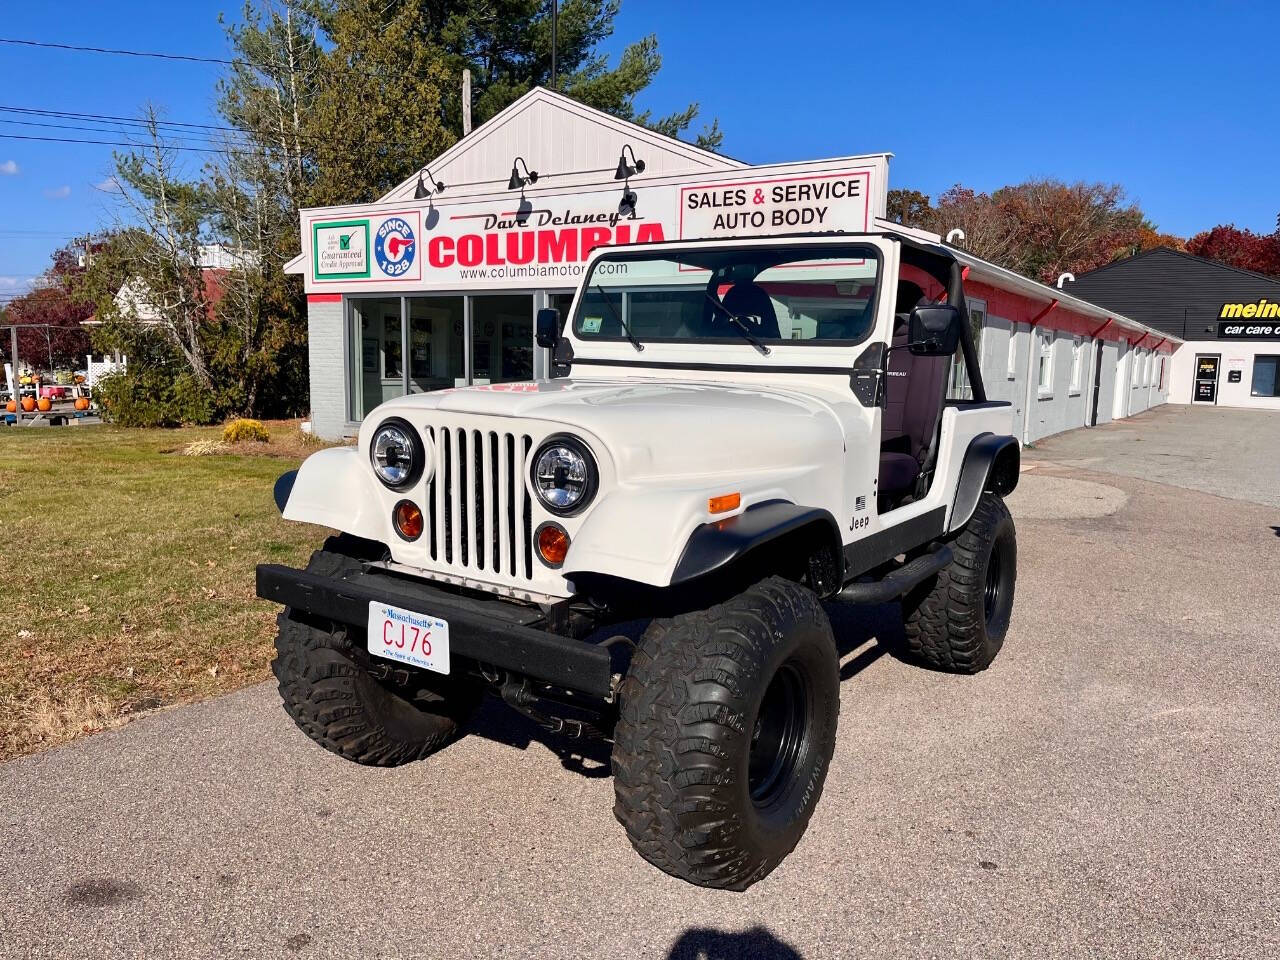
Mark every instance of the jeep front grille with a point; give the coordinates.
(478, 507)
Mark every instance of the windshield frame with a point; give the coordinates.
(860, 249)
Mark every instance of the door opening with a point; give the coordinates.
(1097, 381)
(1205, 388)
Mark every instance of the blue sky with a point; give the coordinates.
(1176, 102)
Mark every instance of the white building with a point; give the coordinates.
(1229, 319)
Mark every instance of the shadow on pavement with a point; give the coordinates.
(863, 636)
(497, 722)
(754, 944)
(870, 631)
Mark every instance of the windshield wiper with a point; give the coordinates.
(738, 325)
(635, 341)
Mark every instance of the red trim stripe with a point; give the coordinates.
(324, 298)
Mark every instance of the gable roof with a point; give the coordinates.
(556, 135)
(1217, 264)
(1175, 292)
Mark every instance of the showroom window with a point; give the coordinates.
(1266, 375)
(448, 340)
(1077, 362)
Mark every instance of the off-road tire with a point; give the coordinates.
(689, 707)
(341, 705)
(952, 622)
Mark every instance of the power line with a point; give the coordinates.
(161, 125)
(108, 143)
(125, 132)
(132, 121)
(124, 53)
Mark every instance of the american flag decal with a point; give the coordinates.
(860, 503)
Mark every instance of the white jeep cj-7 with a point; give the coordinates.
(639, 548)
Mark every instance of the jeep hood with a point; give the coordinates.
(662, 428)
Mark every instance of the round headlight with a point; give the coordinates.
(397, 454)
(564, 475)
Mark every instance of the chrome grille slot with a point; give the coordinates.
(479, 510)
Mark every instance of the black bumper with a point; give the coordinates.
(494, 632)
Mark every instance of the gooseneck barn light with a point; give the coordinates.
(517, 182)
(628, 169)
(420, 192)
(627, 205)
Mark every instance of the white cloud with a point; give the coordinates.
(14, 284)
(109, 185)
(59, 193)
(9, 168)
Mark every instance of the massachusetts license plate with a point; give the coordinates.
(407, 637)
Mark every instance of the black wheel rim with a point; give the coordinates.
(778, 736)
(993, 592)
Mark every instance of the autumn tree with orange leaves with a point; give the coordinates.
(1040, 228)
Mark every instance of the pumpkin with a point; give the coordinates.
(28, 404)
(11, 406)
(82, 403)
(44, 404)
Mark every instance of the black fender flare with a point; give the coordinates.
(283, 487)
(715, 545)
(991, 462)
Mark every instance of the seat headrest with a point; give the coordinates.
(748, 298)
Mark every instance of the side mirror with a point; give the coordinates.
(934, 329)
(547, 328)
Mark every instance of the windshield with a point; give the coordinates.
(765, 295)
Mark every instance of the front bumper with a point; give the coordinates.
(493, 631)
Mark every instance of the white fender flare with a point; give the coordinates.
(335, 488)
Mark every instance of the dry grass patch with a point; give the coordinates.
(127, 573)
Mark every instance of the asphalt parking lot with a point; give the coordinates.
(1106, 788)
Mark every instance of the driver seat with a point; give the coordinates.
(915, 387)
(746, 298)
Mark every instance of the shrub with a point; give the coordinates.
(152, 397)
(244, 429)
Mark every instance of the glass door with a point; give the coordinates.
(436, 357)
(501, 338)
(376, 363)
(1206, 385)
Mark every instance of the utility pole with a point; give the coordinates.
(554, 24)
(466, 102)
(13, 371)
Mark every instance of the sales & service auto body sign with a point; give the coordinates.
(544, 239)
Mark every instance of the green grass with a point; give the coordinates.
(127, 573)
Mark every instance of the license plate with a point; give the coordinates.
(416, 639)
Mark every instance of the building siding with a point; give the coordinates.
(325, 350)
(1175, 292)
(1009, 315)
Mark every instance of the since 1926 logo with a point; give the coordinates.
(393, 247)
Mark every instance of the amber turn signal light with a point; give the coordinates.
(553, 544)
(407, 519)
(724, 503)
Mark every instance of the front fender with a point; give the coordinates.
(666, 537)
(335, 488)
(636, 534)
